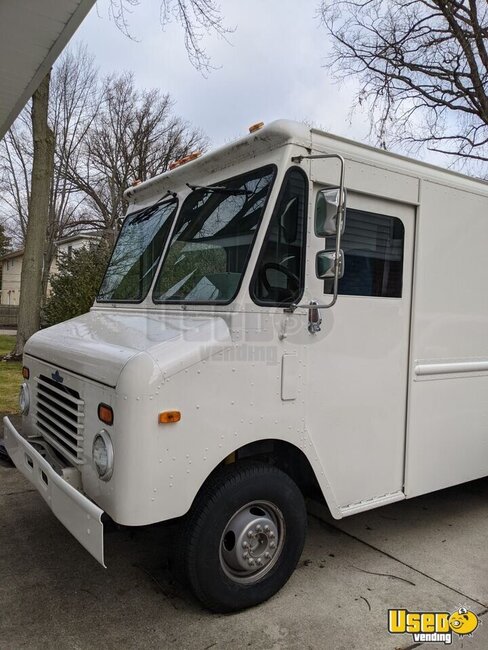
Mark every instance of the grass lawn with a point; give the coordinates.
(10, 378)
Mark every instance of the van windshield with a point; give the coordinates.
(212, 240)
(137, 253)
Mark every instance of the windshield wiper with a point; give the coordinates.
(147, 212)
(218, 189)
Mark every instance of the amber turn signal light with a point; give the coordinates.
(167, 417)
(105, 414)
(25, 372)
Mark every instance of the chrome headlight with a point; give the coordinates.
(24, 399)
(103, 455)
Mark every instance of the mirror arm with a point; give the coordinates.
(298, 159)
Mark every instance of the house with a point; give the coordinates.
(67, 245)
(11, 270)
(12, 264)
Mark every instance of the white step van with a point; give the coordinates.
(293, 311)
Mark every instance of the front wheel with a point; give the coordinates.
(243, 536)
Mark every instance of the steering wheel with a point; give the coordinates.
(282, 294)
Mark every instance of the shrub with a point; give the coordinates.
(75, 285)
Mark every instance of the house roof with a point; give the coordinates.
(11, 255)
(93, 236)
(32, 36)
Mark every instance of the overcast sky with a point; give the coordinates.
(274, 67)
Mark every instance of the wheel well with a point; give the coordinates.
(285, 456)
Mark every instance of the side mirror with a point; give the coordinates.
(327, 210)
(325, 264)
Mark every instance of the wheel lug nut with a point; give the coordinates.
(250, 533)
(266, 529)
(259, 528)
(250, 562)
(272, 545)
(245, 544)
(267, 555)
(245, 555)
(259, 562)
(271, 534)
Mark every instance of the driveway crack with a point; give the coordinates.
(405, 564)
(9, 494)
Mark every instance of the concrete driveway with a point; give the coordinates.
(426, 554)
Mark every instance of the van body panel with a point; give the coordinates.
(447, 439)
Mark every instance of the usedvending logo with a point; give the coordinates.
(435, 627)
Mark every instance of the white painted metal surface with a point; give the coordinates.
(120, 337)
(78, 514)
(32, 35)
(387, 401)
(447, 438)
(358, 373)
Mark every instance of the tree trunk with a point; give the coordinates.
(32, 264)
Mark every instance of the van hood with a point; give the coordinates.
(99, 344)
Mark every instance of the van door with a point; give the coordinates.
(358, 362)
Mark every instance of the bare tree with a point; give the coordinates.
(4, 245)
(15, 176)
(422, 67)
(196, 17)
(134, 136)
(42, 171)
(4, 242)
(105, 135)
(73, 102)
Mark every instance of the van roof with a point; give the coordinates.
(271, 136)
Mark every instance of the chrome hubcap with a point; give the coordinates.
(252, 541)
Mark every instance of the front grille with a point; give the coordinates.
(60, 413)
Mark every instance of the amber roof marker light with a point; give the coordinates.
(184, 160)
(256, 127)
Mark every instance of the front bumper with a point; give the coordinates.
(78, 514)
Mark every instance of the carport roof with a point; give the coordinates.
(32, 35)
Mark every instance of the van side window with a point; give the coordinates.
(373, 252)
(279, 275)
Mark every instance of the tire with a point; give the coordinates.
(243, 508)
